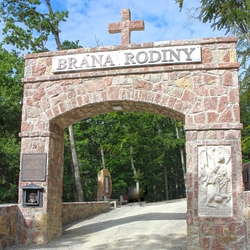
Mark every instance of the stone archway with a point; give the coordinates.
(203, 93)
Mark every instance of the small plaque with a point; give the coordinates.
(33, 167)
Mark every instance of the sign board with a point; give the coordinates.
(126, 58)
(33, 167)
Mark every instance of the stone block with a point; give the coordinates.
(23, 237)
(38, 237)
(193, 239)
(40, 221)
(3, 230)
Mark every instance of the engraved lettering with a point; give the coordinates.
(151, 56)
(172, 53)
(84, 62)
(109, 61)
(164, 55)
(72, 63)
(33, 167)
(129, 58)
(62, 64)
(140, 58)
(188, 53)
(94, 60)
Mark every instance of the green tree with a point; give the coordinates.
(155, 147)
(25, 27)
(244, 56)
(234, 17)
(11, 88)
(152, 137)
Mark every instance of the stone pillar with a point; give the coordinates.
(215, 211)
(104, 184)
(39, 225)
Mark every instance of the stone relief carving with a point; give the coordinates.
(214, 181)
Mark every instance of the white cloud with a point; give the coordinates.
(88, 21)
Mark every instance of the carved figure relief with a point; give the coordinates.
(214, 181)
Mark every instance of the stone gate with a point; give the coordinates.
(193, 81)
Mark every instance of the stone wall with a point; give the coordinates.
(79, 210)
(70, 212)
(8, 225)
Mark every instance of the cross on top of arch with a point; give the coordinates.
(125, 26)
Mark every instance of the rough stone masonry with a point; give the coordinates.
(204, 94)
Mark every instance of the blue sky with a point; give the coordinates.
(88, 21)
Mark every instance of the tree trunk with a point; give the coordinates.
(79, 189)
(78, 183)
(182, 157)
(166, 182)
(55, 28)
(176, 177)
(183, 166)
(74, 191)
(133, 167)
(103, 159)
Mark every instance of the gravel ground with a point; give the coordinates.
(144, 226)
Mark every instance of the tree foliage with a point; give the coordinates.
(11, 88)
(154, 143)
(27, 27)
(156, 151)
(231, 15)
(234, 17)
(243, 50)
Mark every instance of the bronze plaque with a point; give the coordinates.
(33, 167)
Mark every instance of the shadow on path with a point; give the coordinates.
(99, 226)
(125, 228)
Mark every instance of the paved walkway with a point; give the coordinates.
(152, 226)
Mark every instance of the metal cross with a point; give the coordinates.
(125, 27)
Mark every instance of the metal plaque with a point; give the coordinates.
(33, 167)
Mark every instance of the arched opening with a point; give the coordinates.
(162, 174)
(127, 143)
